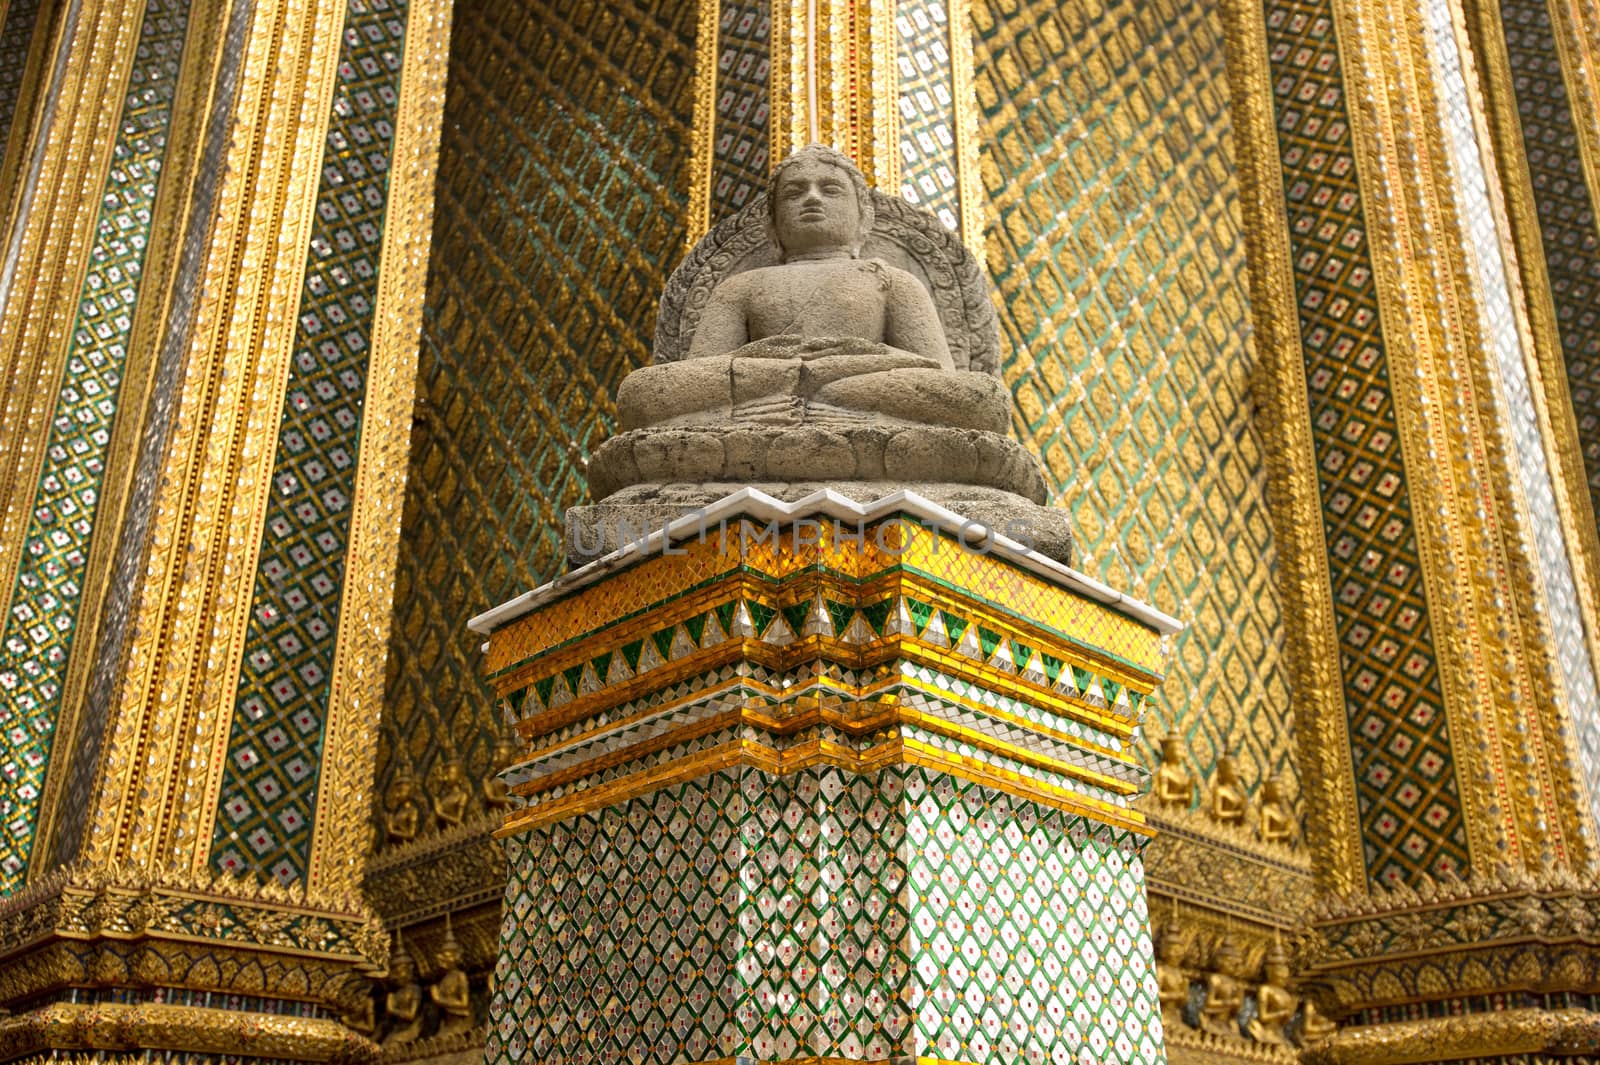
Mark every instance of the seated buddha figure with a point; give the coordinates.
(824, 337)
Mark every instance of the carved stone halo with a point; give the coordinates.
(902, 235)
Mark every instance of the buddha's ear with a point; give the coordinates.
(868, 218)
(770, 228)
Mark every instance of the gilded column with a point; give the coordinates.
(889, 84)
(1456, 557)
(283, 315)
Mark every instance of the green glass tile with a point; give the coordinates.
(795, 615)
(921, 613)
(761, 615)
(631, 652)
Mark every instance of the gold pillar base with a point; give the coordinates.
(54, 1032)
(105, 962)
(1474, 1037)
(1499, 965)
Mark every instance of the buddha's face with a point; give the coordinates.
(816, 209)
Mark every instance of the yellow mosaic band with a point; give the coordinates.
(784, 636)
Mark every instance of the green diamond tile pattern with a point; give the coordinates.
(1562, 613)
(41, 615)
(1565, 208)
(1117, 254)
(274, 752)
(927, 108)
(1571, 241)
(16, 34)
(739, 145)
(561, 208)
(901, 912)
(1405, 776)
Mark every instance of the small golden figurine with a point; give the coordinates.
(1275, 1001)
(1171, 979)
(1276, 824)
(1174, 786)
(496, 792)
(1224, 992)
(1228, 800)
(1314, 1027)
(360, 1014)
(451, 795)
(403, 808)
(449, 993)
(403, 1005)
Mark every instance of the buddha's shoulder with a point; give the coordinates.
(902, 281)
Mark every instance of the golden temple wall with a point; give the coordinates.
(1295, 305)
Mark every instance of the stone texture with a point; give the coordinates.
(634, 512)
(904, 454)
(790, 354)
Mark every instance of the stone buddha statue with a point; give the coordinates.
(828, 335)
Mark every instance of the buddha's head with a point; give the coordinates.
(818, 205)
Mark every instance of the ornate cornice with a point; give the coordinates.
(114, 1026)
(444, 873)
(1479, 1035)
(1495, 933)
(1224, 868)
(212, 934)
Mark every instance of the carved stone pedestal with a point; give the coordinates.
(814, 780)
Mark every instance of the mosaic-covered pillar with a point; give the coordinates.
(198, 532)
(1455, 829)
(822, 782)
(889, 84)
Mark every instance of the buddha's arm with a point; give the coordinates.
(911, 322)
(722, 325)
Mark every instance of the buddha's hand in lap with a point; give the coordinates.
(825, 368)
(811, 349)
